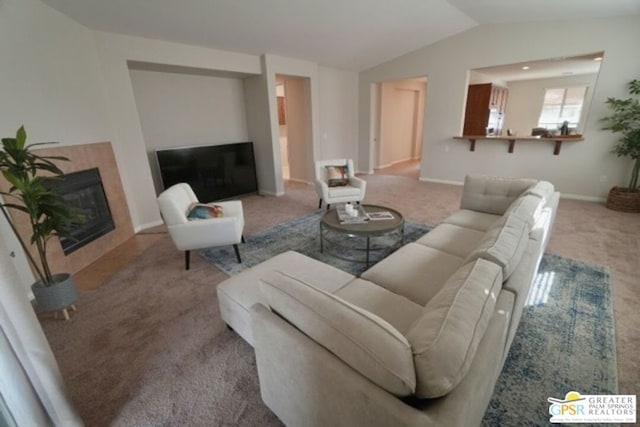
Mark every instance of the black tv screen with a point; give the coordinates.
(215, 172)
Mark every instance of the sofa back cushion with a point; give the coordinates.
(359, 338)
(445, 338)
(491, 194)
(527, 208)
(542, 189)
(504, 243)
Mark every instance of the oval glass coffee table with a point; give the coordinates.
(363, 242)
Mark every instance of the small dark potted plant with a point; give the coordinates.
(47, 213)
(625, 120)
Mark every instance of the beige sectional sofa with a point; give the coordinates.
(420, 338)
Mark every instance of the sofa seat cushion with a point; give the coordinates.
(364, 341)
(399, 311)
(491, 194)
(414, 271)
(445, 338)
(239, 293)
(452, 239)
(504, 244)
(480, 221)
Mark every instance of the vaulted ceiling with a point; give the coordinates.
(347, 34)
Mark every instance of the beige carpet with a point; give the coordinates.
(148, 347)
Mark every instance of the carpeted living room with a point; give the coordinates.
(163, 334)
(156, 352)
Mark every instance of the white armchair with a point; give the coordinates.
(187, 235)
(352, 192)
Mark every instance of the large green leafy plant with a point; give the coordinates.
(625, 119)
(47, 213)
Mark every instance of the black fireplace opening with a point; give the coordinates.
(84, 194)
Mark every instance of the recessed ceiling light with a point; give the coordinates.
(526, 67)
(598, 58)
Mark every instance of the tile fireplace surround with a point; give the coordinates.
(81, 157)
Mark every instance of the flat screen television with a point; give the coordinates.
(215, 172)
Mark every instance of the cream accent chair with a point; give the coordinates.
(188, 235)
(353, 192)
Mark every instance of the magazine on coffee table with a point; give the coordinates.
(382, 215)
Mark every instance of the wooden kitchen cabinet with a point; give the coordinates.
(485, 110)
(282, 118)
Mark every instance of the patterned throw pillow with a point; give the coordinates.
(198, 211)
(337, 176)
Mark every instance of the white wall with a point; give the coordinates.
(579, 167)
(50, 77)
(338, 114)
(525, 99)
(67, 83)
(259, 126)
(178, 110)
(114, 51)
(51, 83)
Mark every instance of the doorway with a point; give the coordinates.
(294, 125)
(398, 126)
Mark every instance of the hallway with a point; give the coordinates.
(409, 168)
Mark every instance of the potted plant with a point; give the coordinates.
(46, 211)
(625, 119)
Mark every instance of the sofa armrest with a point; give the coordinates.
(230, 208)
(322, 189)
(310, 386)
(305, 384)
(360, 183)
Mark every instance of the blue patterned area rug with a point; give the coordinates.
(565, 340)
(300, 235)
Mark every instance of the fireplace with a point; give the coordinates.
(83, 192)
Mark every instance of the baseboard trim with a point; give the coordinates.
(570, 196)
(395, 162)
(148, 225)
(441, 181)
(301, 181)
(387, 165)
(271, 193)
(408, 159)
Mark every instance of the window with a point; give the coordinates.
(562, 104)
